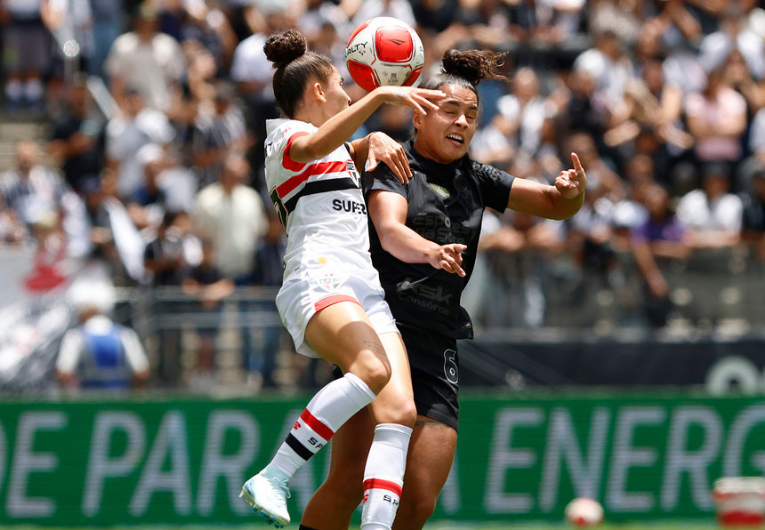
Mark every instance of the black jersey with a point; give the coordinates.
(446, 203)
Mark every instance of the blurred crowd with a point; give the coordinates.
(153, 167)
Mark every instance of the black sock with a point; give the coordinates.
(302, 527)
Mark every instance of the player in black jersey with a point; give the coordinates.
(424, 243)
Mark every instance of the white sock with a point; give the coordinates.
(33, 90)
(384, 476)
(332, 406)
(14, 90)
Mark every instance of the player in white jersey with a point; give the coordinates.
(331, 300)
(322, 208)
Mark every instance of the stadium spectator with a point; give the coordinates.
(737, 75)
(711, 215)
(31, 190)
(96, 192)
(364, 10)
(435, 16)
(219, 132)
(207, 285)
(253, 73)
(210, 27)
(200, 76)
(269, 270)
(659, 240)
(733, 35)
(167, 261)
(519, 253)
(167, 256)
(616, 18)
(26, 53)
(521, 114)
(78, 137)
(609, 66)
(486, 22)
(586, 109)
(717, 119)
(146, 60)
(99, 354)
(107, 26)
(753, 222)
(105, 355)
(313, 19)
(126, 133)
(232, 216)
(168, 186)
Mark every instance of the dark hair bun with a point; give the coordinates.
(283, 48)
(473, 65)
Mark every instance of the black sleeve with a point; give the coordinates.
(495, 185)
(382, 178)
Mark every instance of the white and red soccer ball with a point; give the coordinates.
(584, 512)
(384, 51)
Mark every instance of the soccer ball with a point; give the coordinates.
(384, 51)
(584, 512)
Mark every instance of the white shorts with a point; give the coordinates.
(314, 288)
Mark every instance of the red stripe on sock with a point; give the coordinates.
(334, 299)
(380, 484)
(317, 426)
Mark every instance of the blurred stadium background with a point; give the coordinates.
(618, 355)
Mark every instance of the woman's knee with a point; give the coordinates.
(373, 369)
(401, 411)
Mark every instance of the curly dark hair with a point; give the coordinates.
(295, 67)
(467, 68)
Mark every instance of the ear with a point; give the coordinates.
(317, 91)
(417, 119)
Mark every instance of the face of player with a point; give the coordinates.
(337, 98)
(444, 135)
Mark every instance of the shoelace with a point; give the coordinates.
(282, 485)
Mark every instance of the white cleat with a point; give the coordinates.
(268, 498)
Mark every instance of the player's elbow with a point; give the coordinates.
(387, 236)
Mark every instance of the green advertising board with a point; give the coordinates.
(173, 461)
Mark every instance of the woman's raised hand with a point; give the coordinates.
(419, 99)
(572, 182)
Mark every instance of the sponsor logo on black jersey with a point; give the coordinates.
(443, 192)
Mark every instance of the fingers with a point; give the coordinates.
(400, 171)
(426, 102)
(453, 267)
(452, 259)
(577, 164)
(371, 161)
(420, 99)
(432, 94)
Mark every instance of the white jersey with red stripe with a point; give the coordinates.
(321, 206)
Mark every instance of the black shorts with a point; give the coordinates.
(435, 374)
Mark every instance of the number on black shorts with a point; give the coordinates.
(450, 366)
